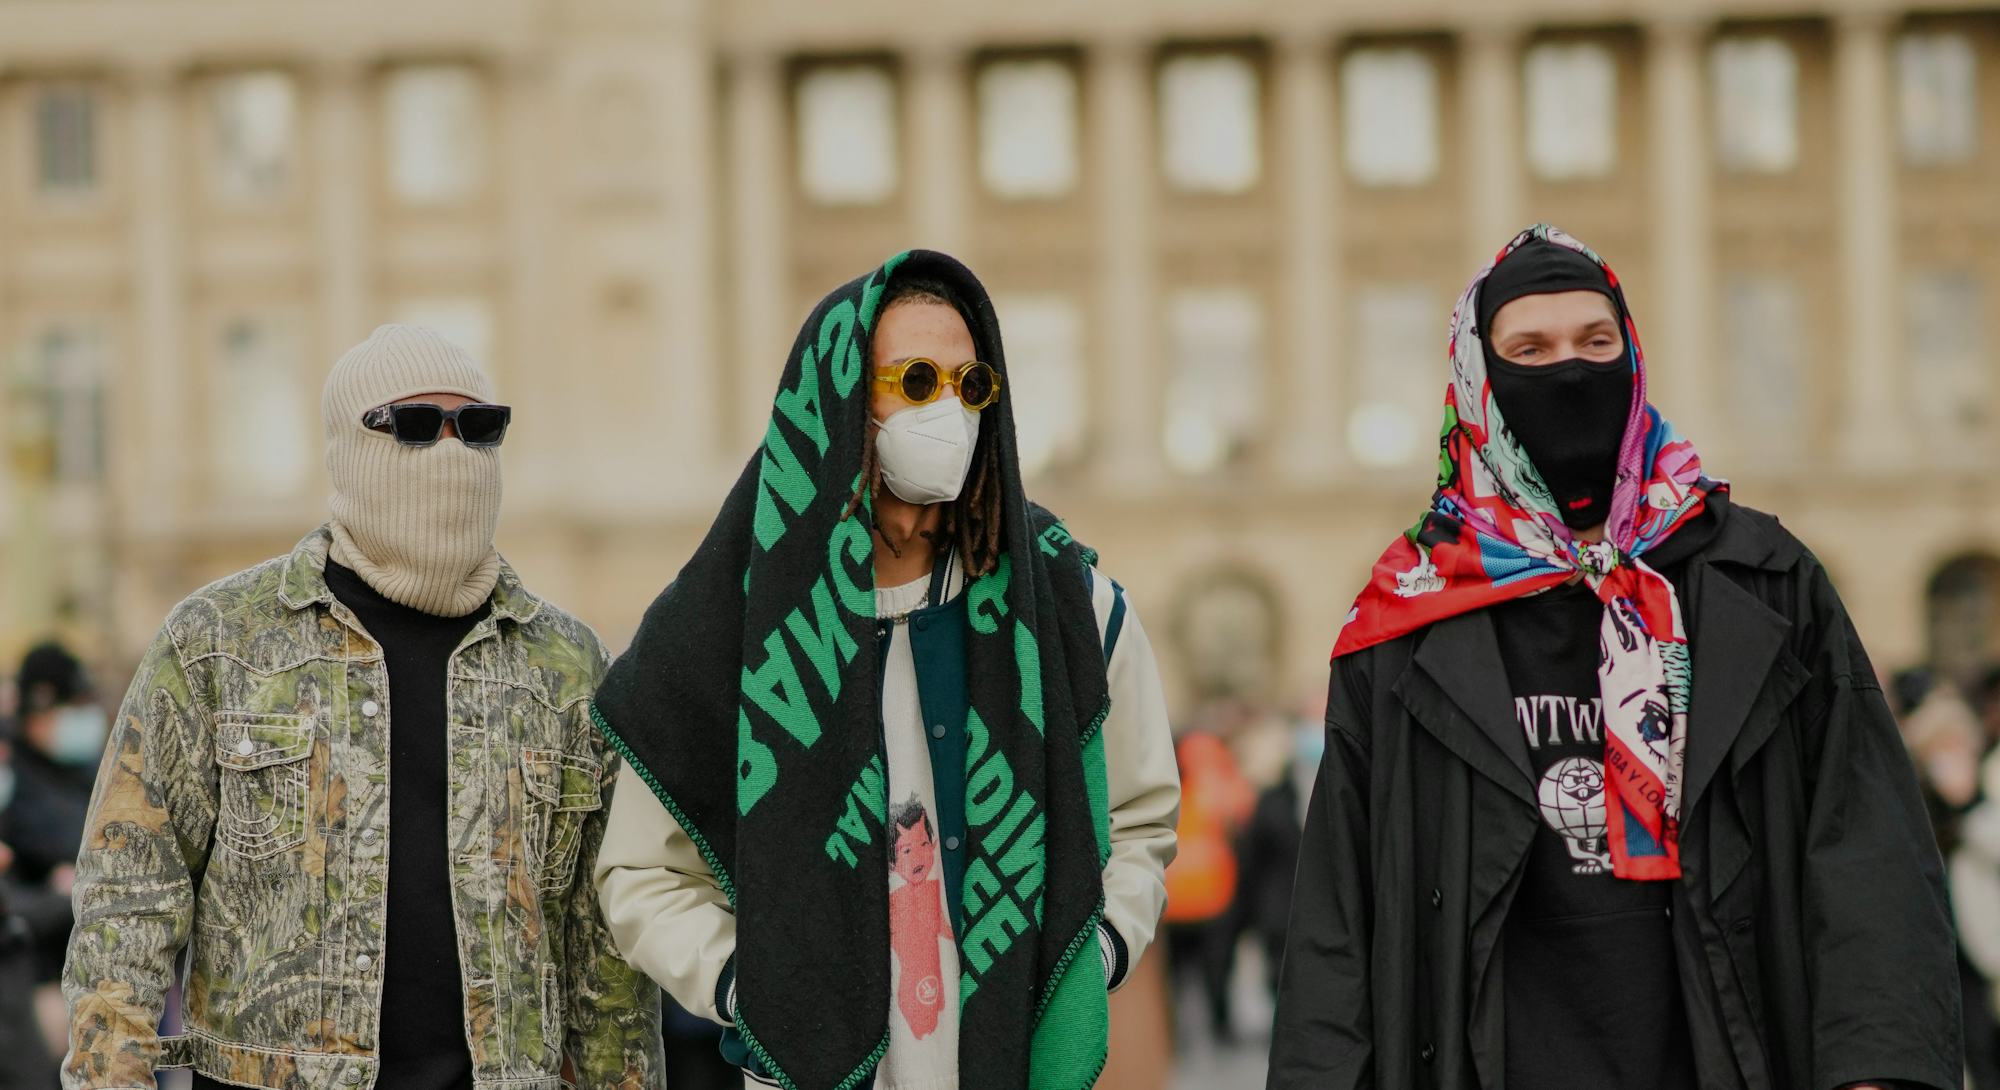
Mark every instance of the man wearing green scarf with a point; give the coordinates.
(902, 791)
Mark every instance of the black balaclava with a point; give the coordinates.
(1568, 416)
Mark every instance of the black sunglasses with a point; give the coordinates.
(421, 424)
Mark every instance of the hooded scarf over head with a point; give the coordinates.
(750, 702)
(1494, 533)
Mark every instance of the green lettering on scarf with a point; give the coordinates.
(986, 599)
(851, 537)
(871, 292)
(838, 347)
(780, 474)
(981, 886)
(756, 766)
(992, 935)
(1023, 861)
(1028, 660)
(775, 688)
(997, 837)
(989, 789)
(824, 639)
(865, 797)
(800, 405)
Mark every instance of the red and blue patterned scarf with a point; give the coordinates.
(1493, 533)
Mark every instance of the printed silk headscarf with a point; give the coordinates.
(1494, 533)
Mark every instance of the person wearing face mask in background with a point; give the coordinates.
(359, 783)
(1610, 795)
(61, 739)
(881, 624)
(34, 919)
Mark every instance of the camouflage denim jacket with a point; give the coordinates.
(242, 811)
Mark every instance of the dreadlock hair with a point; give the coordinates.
(972, 522)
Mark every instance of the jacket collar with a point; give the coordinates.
(1457, 688)
(304, 582)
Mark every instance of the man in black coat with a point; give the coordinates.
(1610, 796)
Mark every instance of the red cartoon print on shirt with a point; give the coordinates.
(917, 918)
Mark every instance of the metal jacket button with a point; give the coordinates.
(1429, 1053)
(951, 843)
(245, 748)
(369, 708)
(353, 1074)
(1437, 898)
(369, 836)
(363, 962)
(937, 730)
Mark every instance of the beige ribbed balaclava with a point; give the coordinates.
(415, 522)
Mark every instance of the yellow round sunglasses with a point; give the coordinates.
(920, 381)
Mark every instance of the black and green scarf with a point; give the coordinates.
(750, 703)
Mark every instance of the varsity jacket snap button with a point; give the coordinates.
(937, 730)
(951, 843)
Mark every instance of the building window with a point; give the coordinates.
(1763, 329)
(256, 117)
(847, 144)
(66, 140)
(1209, 114)
(1756, 84)
(1027, 129)
(1948, 361)
(437, 133)
(1216, 377)
(1572, 93)
(72, 381)
(1046, 369)
(466, 321)
(1389, 116)
(262, 434)
(1400, 374)
(1937, 98)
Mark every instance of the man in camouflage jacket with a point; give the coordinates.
(242, 811)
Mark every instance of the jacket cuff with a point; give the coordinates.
(1117, 959)
(725, 992)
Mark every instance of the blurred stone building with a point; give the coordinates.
(1224, 237)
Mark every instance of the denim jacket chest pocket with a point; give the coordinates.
(264, 781)
(561, 790)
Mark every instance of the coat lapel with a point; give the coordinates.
(1457, 688)
(1737, 643)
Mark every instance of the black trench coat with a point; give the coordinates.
(1814, 942)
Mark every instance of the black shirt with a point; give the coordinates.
(422, 1042)
(1592, 994)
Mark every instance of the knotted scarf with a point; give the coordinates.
(1494, 533)
(750, 702)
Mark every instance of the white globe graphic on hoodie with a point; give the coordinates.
(1572, 803)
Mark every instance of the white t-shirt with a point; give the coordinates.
(923, 956)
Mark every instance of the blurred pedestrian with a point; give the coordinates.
(900, 761)
(62, 731)
(1945, 738)
(246, 805)
(29, 916)
(1611, 796)
(1202, 884)
(1271, 846)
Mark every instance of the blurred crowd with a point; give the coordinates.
(1952, 728)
